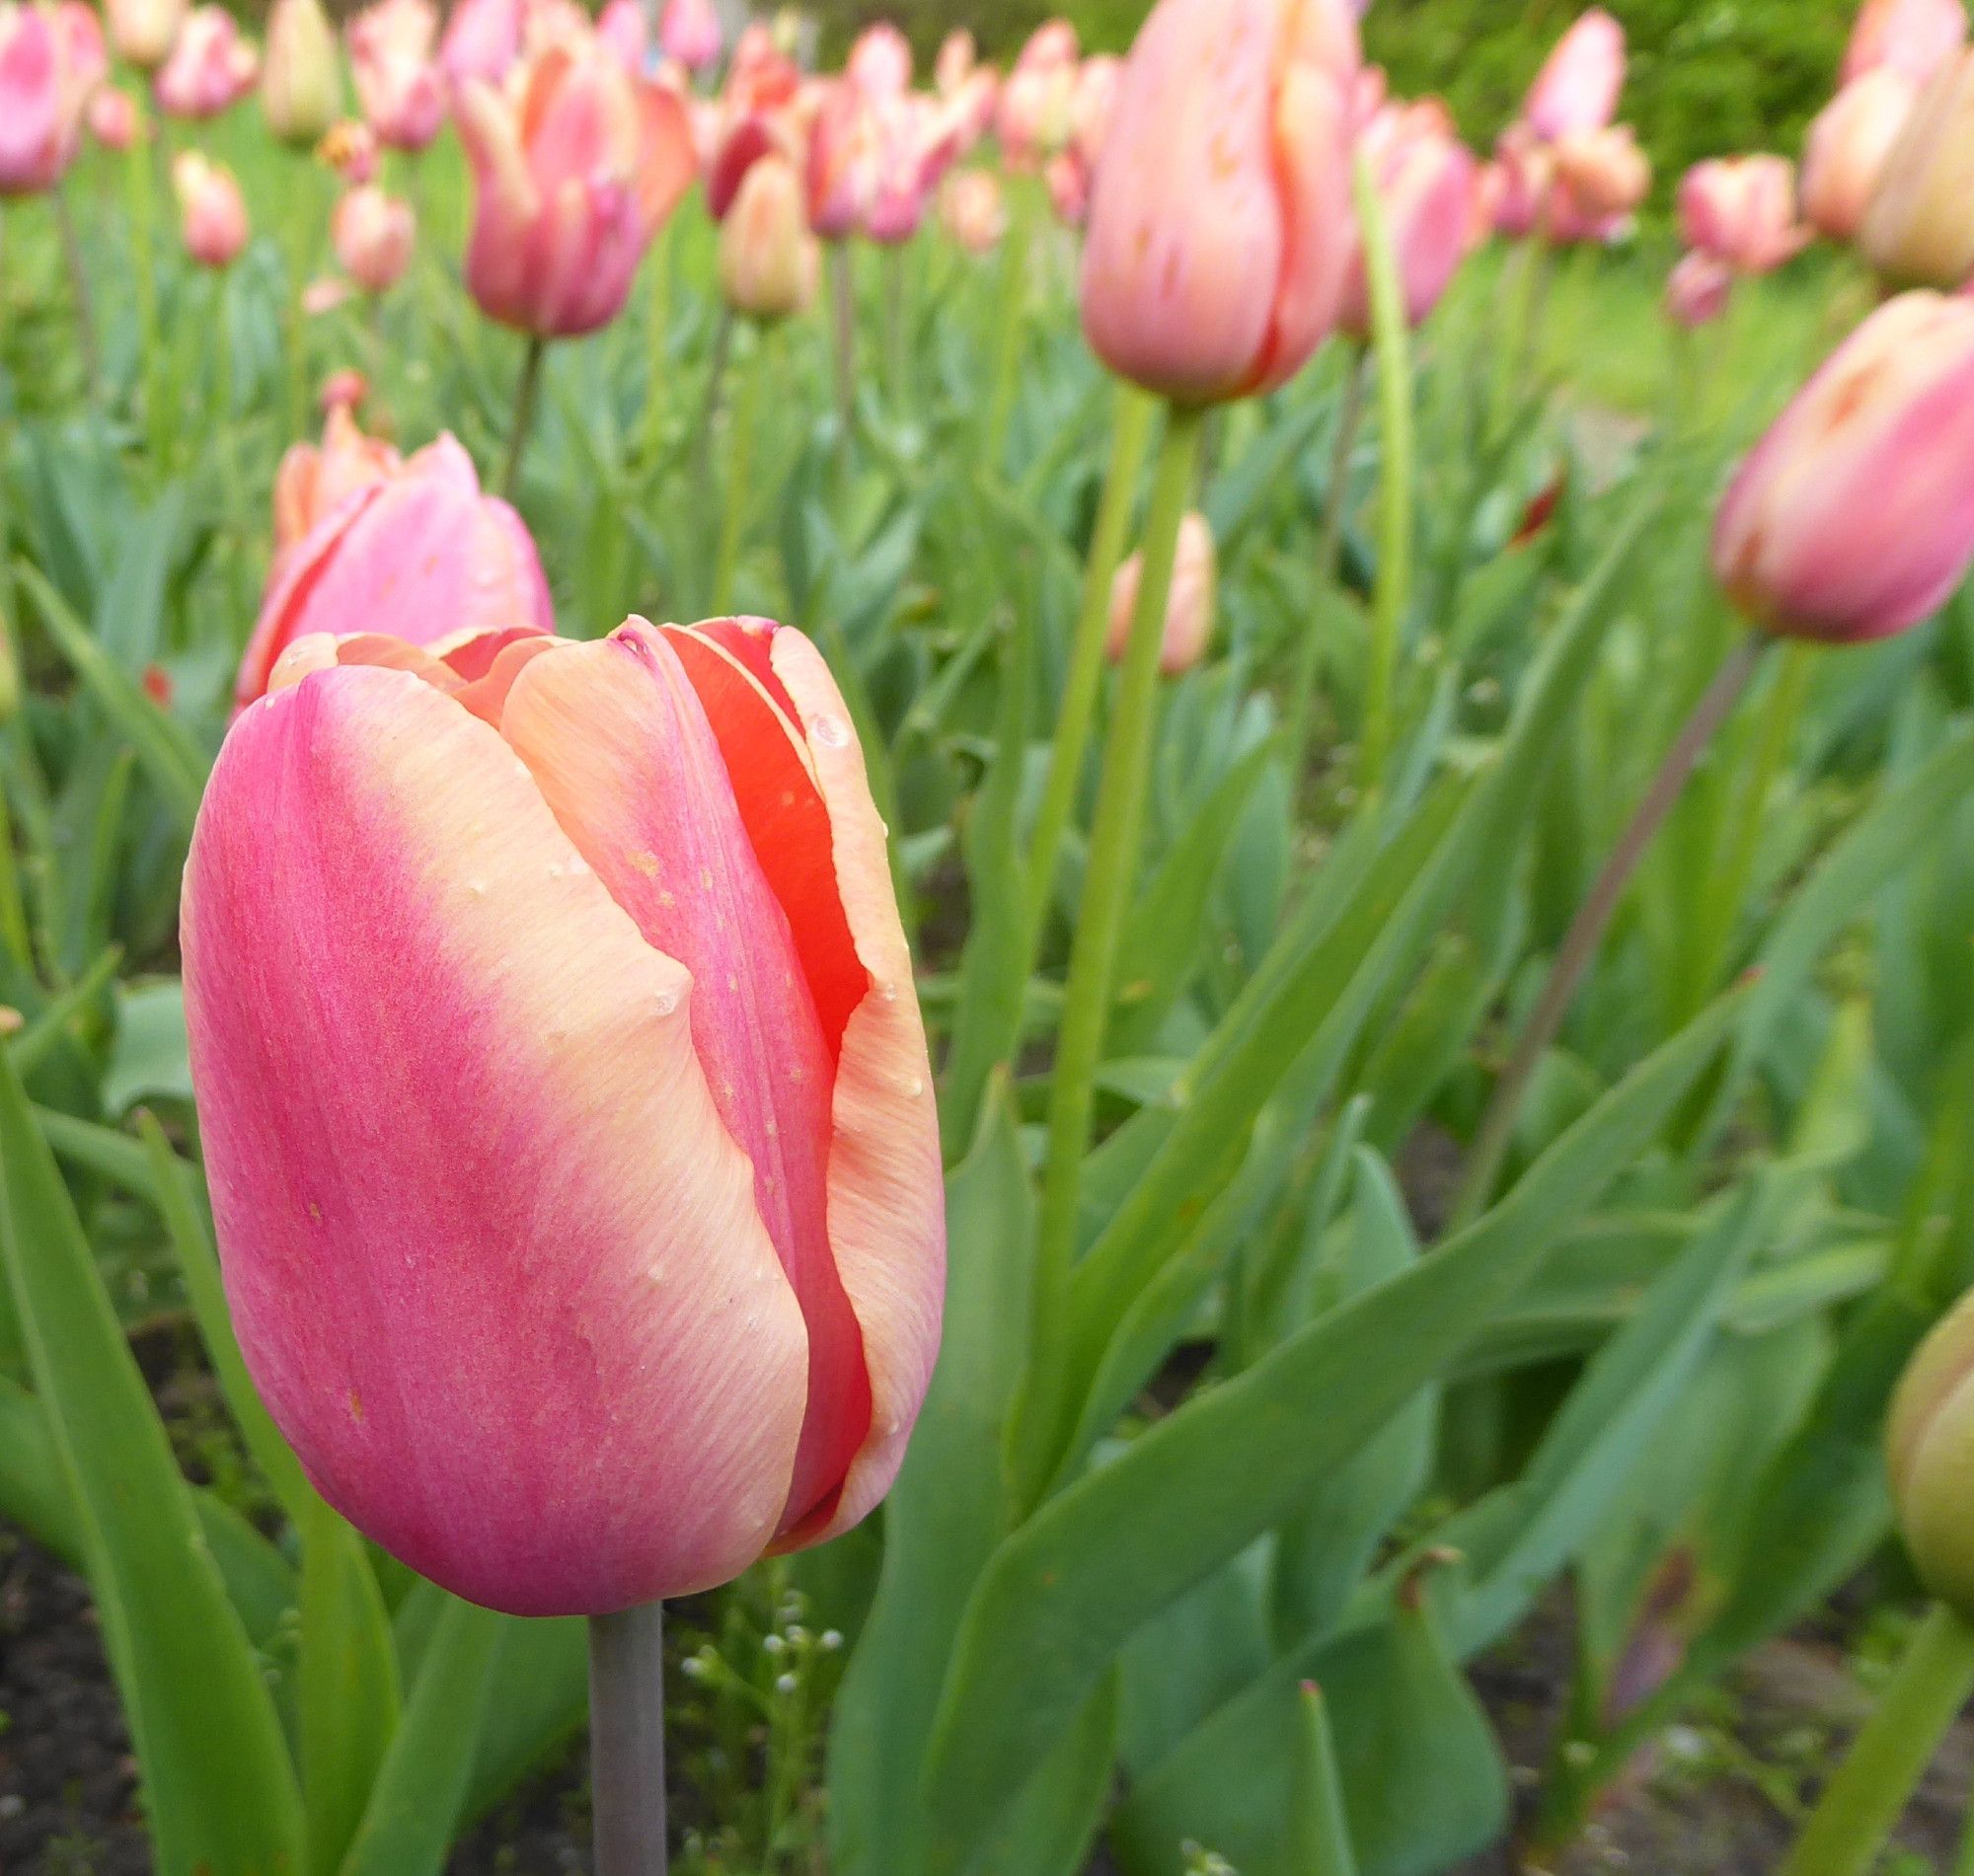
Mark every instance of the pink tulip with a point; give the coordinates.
(1698, 291)
(1519, 182)
(689, 32)
(1067, 180)
(144, 30)
(957, 60)
(416, 554)
(769, 261)
(483, 40)
(621, 28)
(551, 22)
(571, 183)
(344, 390)
(1914, 37)
(351, 150)
(1847, 147)
(314, 480)
(399, 83)
(210, 69)
(1220, 221)
(1578, 89)
(1425, 185)
(372, 233)
(1742, 211)
(1854, 516)
(881, 62)
(1602, 177)
(213, 212)
(846, 150)
(1093, 105)
(1919, 230)
(577, 1194)
(758, 111)
(915, 147)
(1036, 107)
(113, 118)
(1188, 627)
(47, 76)
(974, 209)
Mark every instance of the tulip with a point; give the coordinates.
(1914, 37)
(1067, 180)
(974, 209)
(915, 147)
(1577, 88)
(1220, 222)
(143, 30)
(845, 150)
(411, 552)
(483, 40)
(372, 233)
(210, 67)
(1928, 1446)
(1854, 516)
(300, 89)
(579, 1199)
(45, 79)
(957, 60)
(314, 480)
(344, 390)
(550, 23)
(571, 181)
(1519, 182)
(1425, 187)
(881, 62)
(1038, 102)
(351, 150)
(113, 118)
(1093, 105)
(1697, 289)
(1602, 177)
(689, 32)
(397, 84)
(211, 210)
(769, 261)
(1741, 210)
(1188, 626)
(1845, 150)
(1917, 230)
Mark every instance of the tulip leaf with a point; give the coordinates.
(539, 1699)
(1063, 1594)
(220, 1790)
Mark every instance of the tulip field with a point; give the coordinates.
(980, 951)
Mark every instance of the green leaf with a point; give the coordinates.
(1319, 1820)
(538, 1701)
(220, 1791)
(151, 1060)
(1048, 1829)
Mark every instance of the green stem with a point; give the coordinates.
(1863, 1801)
(739, 474)
(1011, 302)
(843, 301)
(78, 280)
(894, 321)
(1106, 891)
(1593, 918)
(658, 343)
(1395, 483)
(716, 390)
(626, 1741)
(524, 412)
(1131, 432)
(1301, 693)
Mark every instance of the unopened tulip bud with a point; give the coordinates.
(1854, 517)
(1919, 230)
(45, 79)
(115, 120)
(881, 62)
(213, 212)
(1929, 1455)
(372, 233)
(1848, 146)
(1425, 187)
(399, 82)
(210, 69)
(689, 32)
(1219, 219)
(142, 31)
(974, 209)
(1742, 211)
(769, 261)
(1698, 291)
(1914, 37)
(300, 87)
(1579, 87)
(1188, 626)
(958, 58)
(345, 388)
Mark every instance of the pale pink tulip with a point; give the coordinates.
(916, 146)
(315, 479)
(49, 70)
(115, 120)
(211, 210)
(769, 260)
(1427, 183)
(399, 82)
(881, 62)
(1919, 230)
(689, 32)
(143, 30)
(621, 27)
(1579, 87)
(1035, 110)
(1742, 211)
(1602, 176)
(1698, 291)
(958, 59)
(372, 233)
(1914, 37)
(483, 40)
(1093, 105)
(210, 69)
(1845, 150)
(1188, 626)
(846, 152)
(974, 209)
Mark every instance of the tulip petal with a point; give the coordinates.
(495, 1261)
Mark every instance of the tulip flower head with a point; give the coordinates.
(483, 40)
(881, 62)
(143, 30)
(1847, 147)
(1913, 38)
(769, 261)
(1189, 625)
(1579, 87)
(572, 177)
(1919, 230)
(47, 73)
(689, 32)
(212, 213)
(1698, 291)
(1091, 106)
(210, 69)
(974, 209)
(1036, 106)
(1425, 182)
(113, 118)
(351, 150)
(916, 144)
(1854, 517)
(345, 390)
(847, 148)
(1220, 220)
(314, 480)
(1741, 210)
(621, 28)
(639, 1272)
(372, 233)
(300, 87)
(1929, 1457)
(399, 83)
(958, 59)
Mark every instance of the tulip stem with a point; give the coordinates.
(894, 319)
(1131, 431)
(658, 340)
(843, 299)
(626, 1741)
(1108, 883)
(739, 474)
(1863, 1802)
(78, 280)
(1593, 918)
(715, 391)
(1011, 318)
(524, 412)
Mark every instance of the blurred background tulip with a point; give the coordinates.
(301, 86)
(1188, 627)
(1847, 147)
(1919, 230)
(314, 480)
(114, 120)
(398, 83)
(47, 77)
(212, 213)
(374, 233)
(1698, 291)
(142, 32)
(1741, 210)
(1425, 181)
(483, 40)
(1579, 87)
(1913, 38)
(974, 209)
(210, 67)
(769, 260)
(689, 32)
(1930, 1456)
(881, 62)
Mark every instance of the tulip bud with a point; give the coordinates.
(113, 118)
(1067, 179)
(346, 389)
(1188, 627)
(351, 150)
(1913, 38)
(1847, 147)
(1037, 103)
(974, 209)
(47, 74)
(213, 212)
(580, 1208)
(769, 261)
(881, 62)
(483, 40)
(1917, 230)
(958, 58)
(300, 88)
(372, 233)
(1741, 210)
(398, 83)
(1698, 291)
(1578, 85)
(210, 69)
(1220, 220)
(1603, 174)
(1854, 517)
(1425, 185)
(572, 177)
(142, 31)
(1929, 1455)
(1093, 105)
(689, 32)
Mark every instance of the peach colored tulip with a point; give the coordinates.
(314, 480)
(483, 40)
(411, 552)
(1188, 627)
(1519, 182)
(1848, 146)
(1426, 183)
(1093, 105)
(550, 23)
(1602, 176)
(1854, 517)
(689, 32)
(769, 261)
(881, 62)
(398, 80)
(1742, 211)
(958, 59)
(1577, 88)
(1220, 220)
(974, 209)
(144, 30)
(351, 150)
(301, 89)
(115, 120)
(578, 1195)
(210, 69)
(1912, 36)
(47, 77)
(372, 233)
(213, 212)
(1698, 291)
(1919, 230)
(572, 180)
(1037, 108)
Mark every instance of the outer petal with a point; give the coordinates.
(886, 1207)
(495, 1262)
